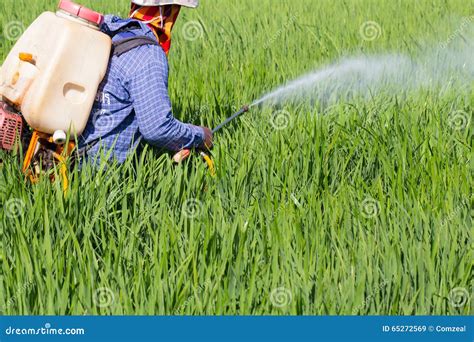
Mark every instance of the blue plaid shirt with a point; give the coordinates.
(132, 103)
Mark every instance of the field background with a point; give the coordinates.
(360, 208)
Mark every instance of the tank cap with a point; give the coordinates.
(81, 12)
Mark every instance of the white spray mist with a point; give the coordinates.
(363, 76)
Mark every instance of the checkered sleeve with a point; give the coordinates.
(148, 89)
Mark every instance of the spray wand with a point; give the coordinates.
(242, 111)
(183, 155)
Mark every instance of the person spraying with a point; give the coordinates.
(132, 104)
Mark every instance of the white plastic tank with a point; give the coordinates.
(53, 72)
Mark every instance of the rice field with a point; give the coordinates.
(363, 207)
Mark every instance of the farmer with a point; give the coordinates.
(132, 104)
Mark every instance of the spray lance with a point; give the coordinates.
(242, 111)
(184, 154)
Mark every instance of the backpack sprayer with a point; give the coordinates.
(49, 82)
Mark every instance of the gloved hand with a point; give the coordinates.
(208, 139)
(206, 145)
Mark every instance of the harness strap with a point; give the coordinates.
(128, 44)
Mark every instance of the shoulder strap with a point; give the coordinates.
(125, 45)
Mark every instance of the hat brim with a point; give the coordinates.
(184, 3)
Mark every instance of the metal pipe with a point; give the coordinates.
(244, 110)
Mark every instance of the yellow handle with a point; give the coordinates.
(182, 155)
(63, 171)
(210, 163)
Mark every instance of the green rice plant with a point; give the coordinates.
(363, 207)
